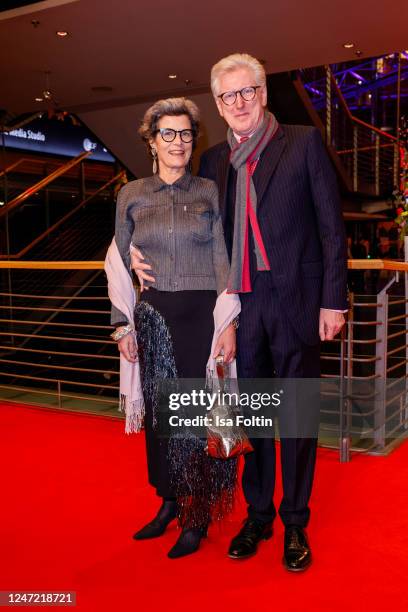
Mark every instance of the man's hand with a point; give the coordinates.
(330, 323)
(127, 346)
(136, 259)
(226, 344)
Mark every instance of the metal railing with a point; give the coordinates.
(65, 218)
(369, 155)
(368, 365)
(55, 351)
(27, 193)
(20, 162)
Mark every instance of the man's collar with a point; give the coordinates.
(182, 183)
(238, 138)
(279, 134)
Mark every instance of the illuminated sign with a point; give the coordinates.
(58, 138)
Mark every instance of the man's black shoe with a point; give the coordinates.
(297, 555)
(245, 544)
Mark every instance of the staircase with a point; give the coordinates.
(81, 237)
(81, 232)
(366, 158)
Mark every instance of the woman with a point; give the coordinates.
(173, 217)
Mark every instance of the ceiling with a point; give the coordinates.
(132, 46)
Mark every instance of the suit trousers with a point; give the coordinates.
(268, 346)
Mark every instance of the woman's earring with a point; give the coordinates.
(154, 155)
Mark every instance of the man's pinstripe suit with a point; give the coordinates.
(299, 214)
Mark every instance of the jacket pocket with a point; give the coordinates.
(199, 221)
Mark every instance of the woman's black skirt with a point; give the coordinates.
(174, 333)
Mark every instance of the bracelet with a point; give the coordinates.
(235, 322)
(121, 333)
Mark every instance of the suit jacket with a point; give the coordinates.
(299, 213)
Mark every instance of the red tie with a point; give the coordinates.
(243, 139)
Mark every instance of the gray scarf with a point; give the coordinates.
(244, 157)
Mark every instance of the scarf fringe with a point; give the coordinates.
(205, 487)
(194, 512)
(134, 411)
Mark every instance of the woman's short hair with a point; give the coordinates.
(170, 107)
(233, 62)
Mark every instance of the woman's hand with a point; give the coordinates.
(226, 344)
(136, 259)
(127, 346)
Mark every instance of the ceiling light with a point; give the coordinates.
(39, 99)
(62, 33)
(172, 76)
(348, 45)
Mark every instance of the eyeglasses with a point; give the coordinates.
(246, 93)
(169, 134)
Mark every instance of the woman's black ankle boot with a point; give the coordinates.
(188, 542)
(156, 527)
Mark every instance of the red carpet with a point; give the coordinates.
(74, 490)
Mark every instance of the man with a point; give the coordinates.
(285, 236)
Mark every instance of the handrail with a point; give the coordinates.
(43, 183)
(368, 148)
(377, 264)
(12, 166)
(366, 157)
(351, 116)
(63, 219)
(352, 264)
(52, 265)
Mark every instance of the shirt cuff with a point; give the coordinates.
(335, 310)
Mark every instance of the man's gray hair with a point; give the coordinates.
(172, 107)
(233, 62)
